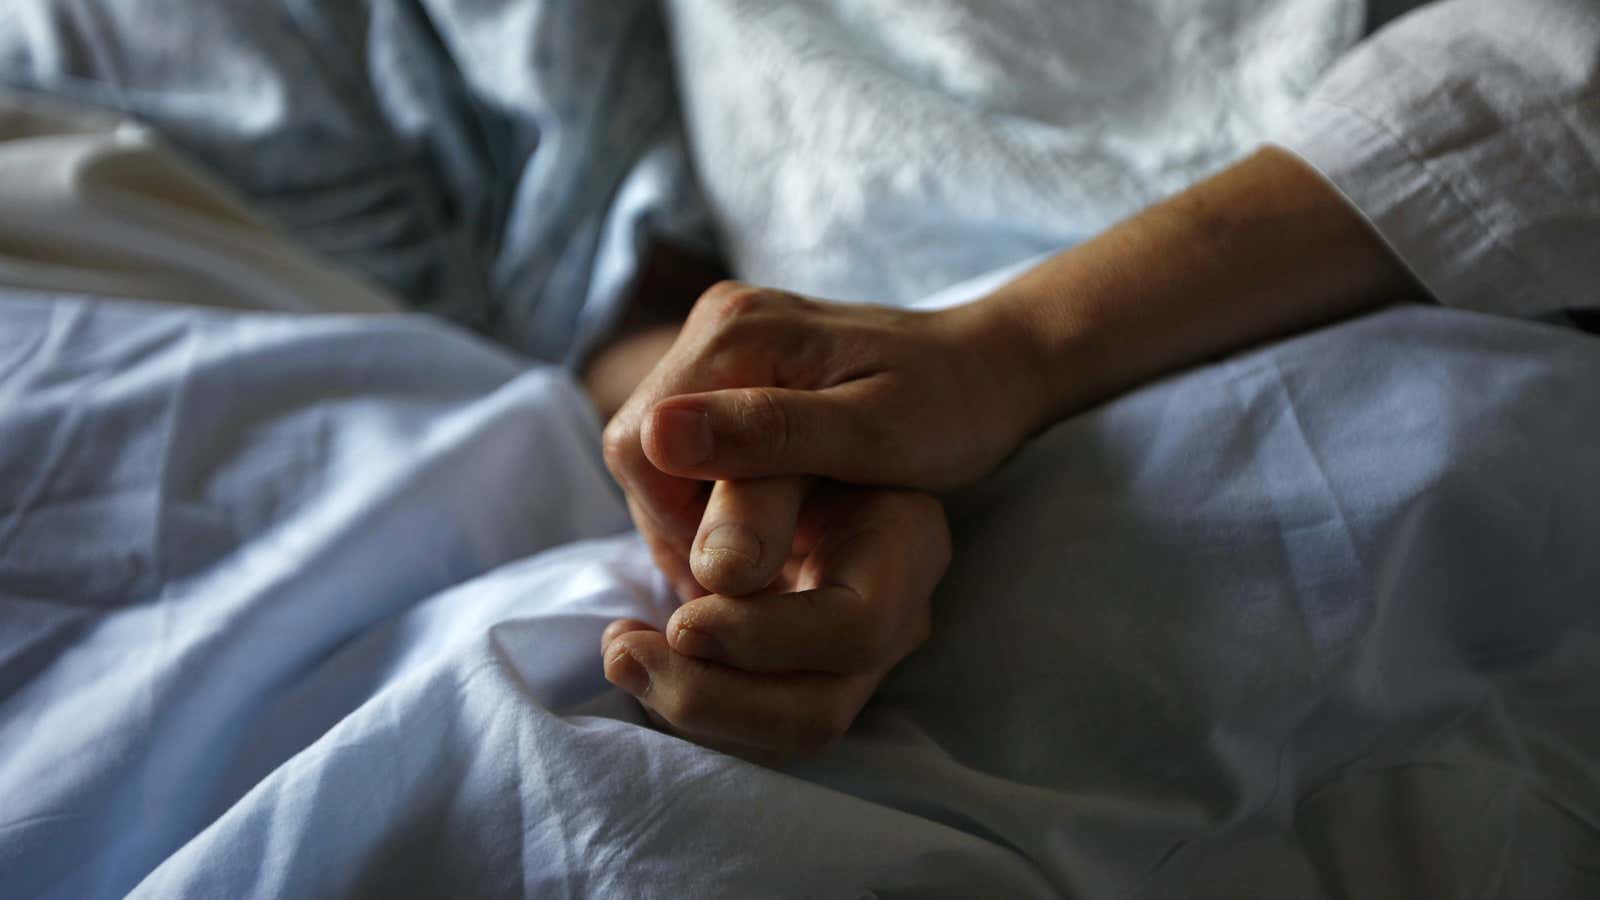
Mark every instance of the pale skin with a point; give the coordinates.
(777, 457)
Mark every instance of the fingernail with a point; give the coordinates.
(685, 435)
(698, 644)
(735, 539)
(628, 673)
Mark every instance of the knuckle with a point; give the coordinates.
(747, 352)
(767, 419)
(720, 288)
(735, 299)
(731, 300)
(617, 442)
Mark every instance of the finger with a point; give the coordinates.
(746, 534)
(790, 715)
(831, 629)
(887, 546)
(620, 627)
(760, 432)
(866, 604)
(665, 507)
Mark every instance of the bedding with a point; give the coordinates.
(501, 164)
(310, 606)
(301, 599)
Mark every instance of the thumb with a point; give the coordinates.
(762, 432)
(747, 534)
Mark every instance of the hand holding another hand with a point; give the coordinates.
(763, 386)
(742, 455)
(763, 392)
(783, 672)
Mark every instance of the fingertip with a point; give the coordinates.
(729, 561)
(627, 661)
(619, 628)
(626, 672)
(746, 534)
(689, 638)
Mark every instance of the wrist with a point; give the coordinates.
(1263, 249)
(1014, 357)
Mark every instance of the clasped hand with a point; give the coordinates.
(775, 462)
(765, 395)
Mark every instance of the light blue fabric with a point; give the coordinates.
(310, 606)
(500, 163)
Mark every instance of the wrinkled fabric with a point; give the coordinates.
(95, 203)
(503, 163)
(298, 605)
(1468, 133)
(977, 135)
(882, 151)
(199, 511)
(310, 606)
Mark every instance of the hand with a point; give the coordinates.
(783, 673)
(762, 383)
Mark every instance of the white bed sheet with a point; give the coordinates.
(309, 606)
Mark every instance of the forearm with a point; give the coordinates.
(1263, 249)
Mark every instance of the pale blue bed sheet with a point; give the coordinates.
(310, 606)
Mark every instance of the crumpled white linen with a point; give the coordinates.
(883, 151)
(310, 605)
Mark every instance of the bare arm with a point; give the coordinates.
(1264, 249)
